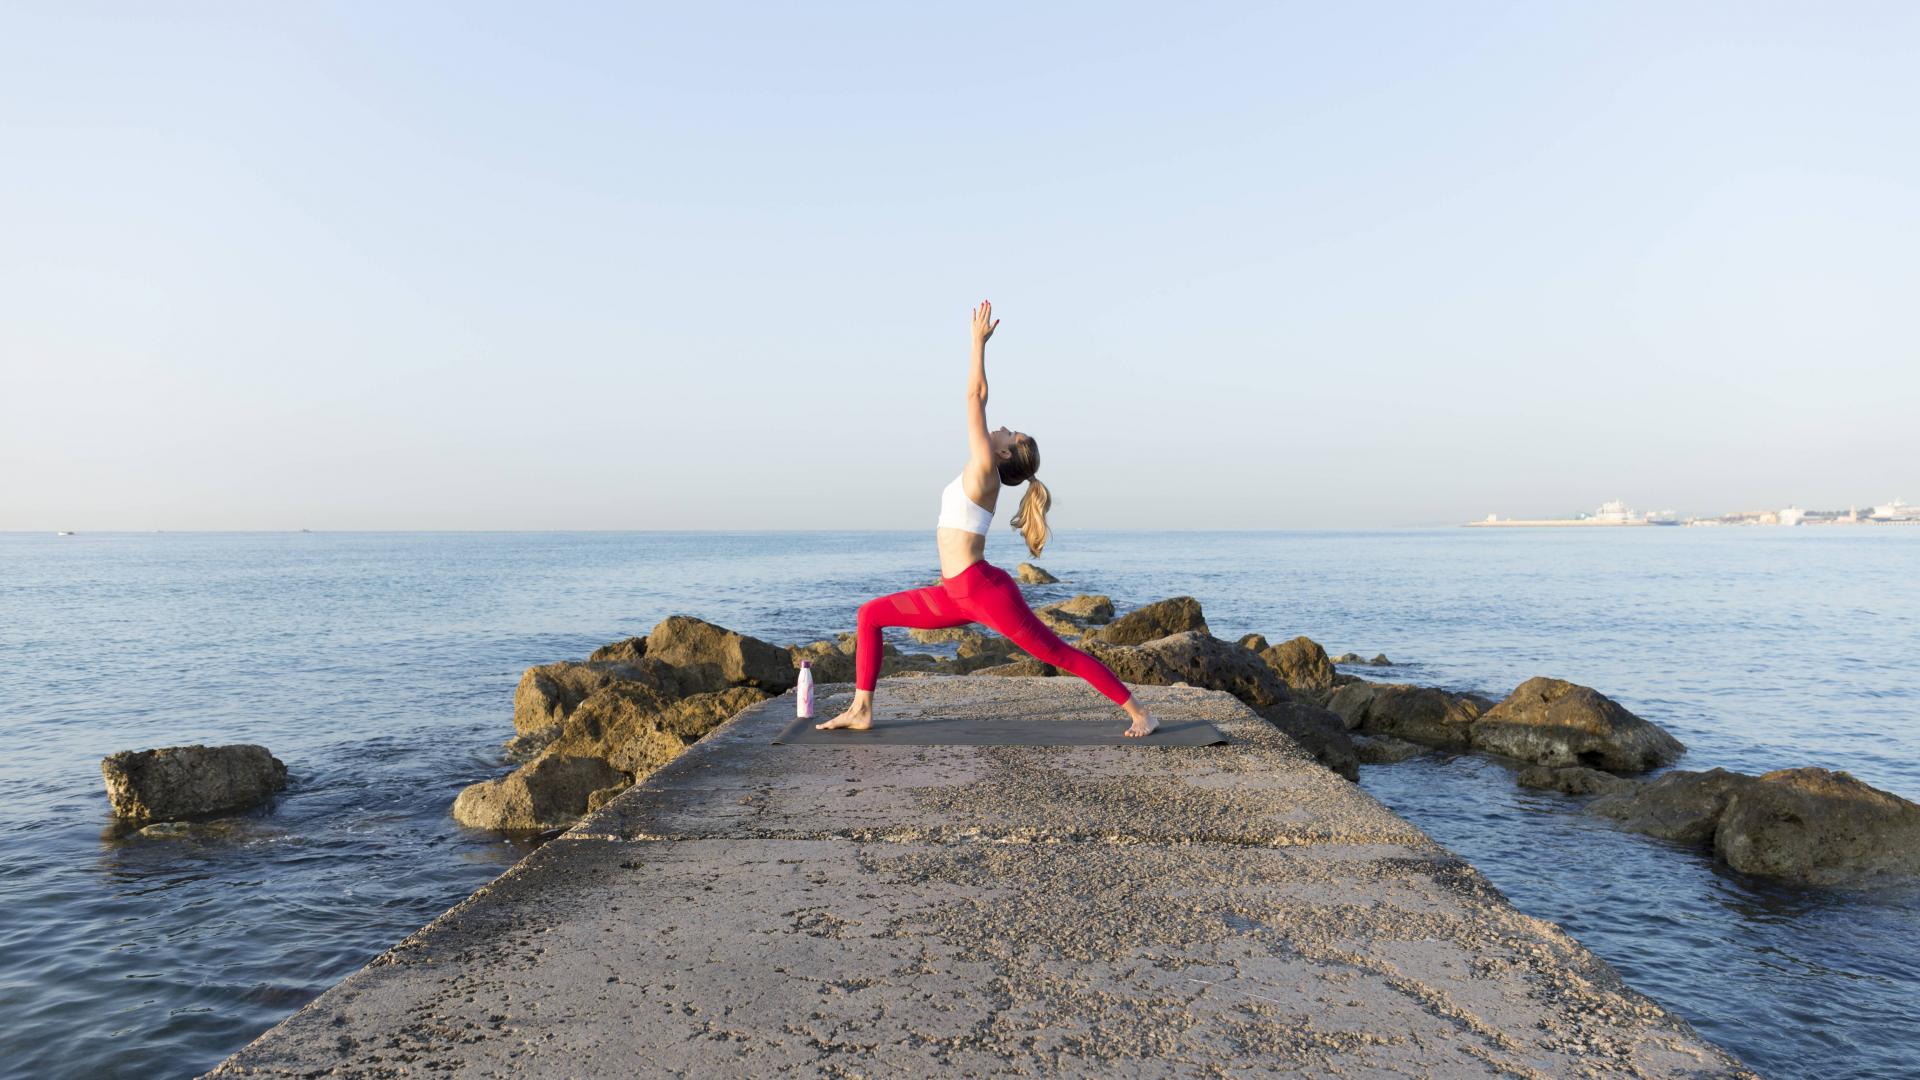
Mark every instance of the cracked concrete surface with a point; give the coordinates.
(988, 911)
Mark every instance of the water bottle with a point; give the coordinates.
(803, 693)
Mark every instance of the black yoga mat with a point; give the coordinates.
(999, 731)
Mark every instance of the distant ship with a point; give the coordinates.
(63, 532)
(1613, 513)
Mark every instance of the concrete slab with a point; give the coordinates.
(975, 911)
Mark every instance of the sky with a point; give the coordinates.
(583, 266)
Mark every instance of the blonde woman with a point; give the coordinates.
(972, 589)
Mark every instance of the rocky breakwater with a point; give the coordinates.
(1167, 643)
(1806, 826)
(586, 730)
(1545, 721)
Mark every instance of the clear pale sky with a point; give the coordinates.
(586, 266)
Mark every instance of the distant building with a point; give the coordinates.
(1897, 510)
(1610, 513)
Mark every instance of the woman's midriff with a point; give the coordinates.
(959, 549)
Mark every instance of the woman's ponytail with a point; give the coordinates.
(1019, 468)
(1031, 519)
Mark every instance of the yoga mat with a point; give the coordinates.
(999, 731)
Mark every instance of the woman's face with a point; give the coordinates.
(1002, 440)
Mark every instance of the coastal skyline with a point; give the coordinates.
(477, 268)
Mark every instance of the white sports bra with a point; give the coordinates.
(959, 512)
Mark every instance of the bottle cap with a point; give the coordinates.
(806, 663)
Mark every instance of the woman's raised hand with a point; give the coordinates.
(984, 324)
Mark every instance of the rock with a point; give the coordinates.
(976, 649)
(1350, 702)
(983, 650)
(1384, 749)
(1090, 608)
(1256, 642)
(1302, 663)
(1554, 722)
(1156, 620)
(1679, 805)
(1574, 780)
(549, 792)
(548, 692)
(1071, 618)
(1355, 658)
(604, 796)
(1817, 827)
(1025, 667)
(1422, 714)
(624, 651)
(1197, 658)
(899, 663)
(1030, 574)
(177, 782)
(167, 830)
(829, 661)
(943, 635)
(527, 745)
(700, 649)
(1068, 629)
(636, 730)
(1318, 731)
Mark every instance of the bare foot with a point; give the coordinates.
(856, 718)
(1143, 724)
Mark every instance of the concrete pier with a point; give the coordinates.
(754, 910)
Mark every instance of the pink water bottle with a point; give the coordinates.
(803, 693)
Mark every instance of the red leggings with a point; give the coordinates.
(981, 593)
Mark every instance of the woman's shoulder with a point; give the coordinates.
(981, 484)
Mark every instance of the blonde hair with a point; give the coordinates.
(1031, 519)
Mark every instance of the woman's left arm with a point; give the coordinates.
(981, 450)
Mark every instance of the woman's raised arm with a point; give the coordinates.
(984, 324)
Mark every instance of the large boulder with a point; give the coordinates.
(1421, 714)
(636, 730)
(176, 782)
(1198, 659)
(548, 792)
(1301, 662)
(1818, 827)
(1574, 780)
(1319, 732)
(1554, 722)
(548, 692)
(1680, 805)
(1156, 620)
(717, 658)
(1256, 642)
(1032, 575)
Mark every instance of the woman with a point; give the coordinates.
(971, 589)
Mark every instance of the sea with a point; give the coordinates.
(380, 667)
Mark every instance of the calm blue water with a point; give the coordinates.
(380, 667)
